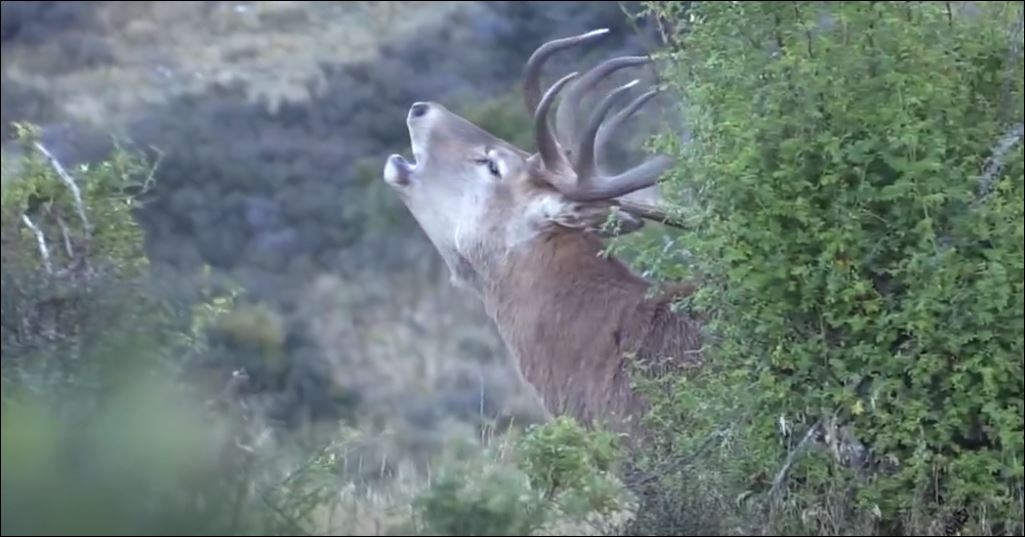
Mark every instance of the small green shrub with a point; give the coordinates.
(74, 265)
(559, 474)
(571, 466)
(496, 500)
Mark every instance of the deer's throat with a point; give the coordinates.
(568, 316)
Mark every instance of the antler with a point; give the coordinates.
(576, 171)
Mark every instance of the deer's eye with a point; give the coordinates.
(492, 166)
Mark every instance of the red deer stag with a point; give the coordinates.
(523, 231)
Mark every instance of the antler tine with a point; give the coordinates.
(639, 177)
(637, 208)
(610, 126)
(587, 185)
(584, 162)
(547, 145)
(566, 115)
(532, 71)
(591, 185)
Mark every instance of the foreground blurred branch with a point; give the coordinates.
(44, 252)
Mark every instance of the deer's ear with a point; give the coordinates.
(602, 218)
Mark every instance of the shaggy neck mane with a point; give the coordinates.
(575, 321)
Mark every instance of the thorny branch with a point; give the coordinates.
(44, 252)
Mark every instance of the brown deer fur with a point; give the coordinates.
(575, 321)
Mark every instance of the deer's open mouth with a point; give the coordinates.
(398, 171)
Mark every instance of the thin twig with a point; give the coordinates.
(794, 455)
(44, 252)
(651, 212)
(630, 19)
(69, 181)
(67, 238)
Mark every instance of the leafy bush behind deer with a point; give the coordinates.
(853, 186)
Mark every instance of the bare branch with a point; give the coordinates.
(650, 212)
(69, 181)
(797, 453)
(67, 238)
(44, 252)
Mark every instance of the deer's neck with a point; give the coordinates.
(574, 319)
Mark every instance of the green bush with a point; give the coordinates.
(861, 254)
(73, 257)
(559, 474)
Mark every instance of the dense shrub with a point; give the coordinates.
(855, 193)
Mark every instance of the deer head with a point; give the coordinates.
(478, 197)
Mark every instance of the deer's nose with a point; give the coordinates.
(418, 109)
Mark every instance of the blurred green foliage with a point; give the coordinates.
(98, 435)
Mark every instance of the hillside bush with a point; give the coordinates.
(854, 192)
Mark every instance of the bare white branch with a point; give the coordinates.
(794, 455)
(69, 181)
(44, 252)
